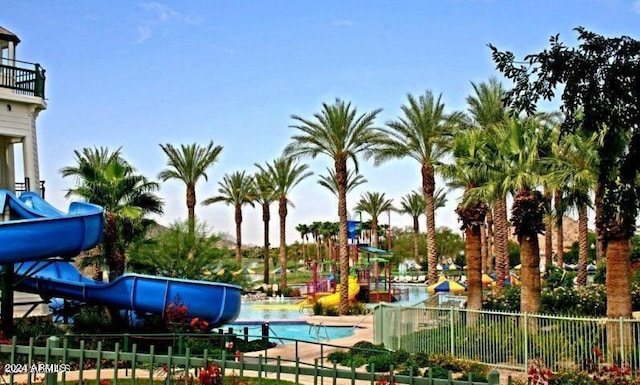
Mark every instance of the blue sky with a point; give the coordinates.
(134, 74)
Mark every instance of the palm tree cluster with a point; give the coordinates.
(491, 152)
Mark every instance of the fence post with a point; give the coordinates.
(451, 332)
(622, 340)
(493, 378)
(525, 329)
(51, 378)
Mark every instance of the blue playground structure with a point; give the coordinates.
(37, 240)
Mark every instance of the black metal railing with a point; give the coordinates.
(21, 187)
(22, 79)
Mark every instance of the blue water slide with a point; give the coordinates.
(218, 303)
(35, 232)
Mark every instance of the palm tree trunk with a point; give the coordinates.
(559, 230)
(548, 230)
(266, 218)
(601, 245)
(238, 217)
(375, 240)
(530, 260)
(618, 279)
(474, 267)
(191, 212)
(416, 240)
(341, 176)
(619, 294)
(483, 248)
(282, 212)
(501, 240)
(97, 272)
(583, 244)
(490, 242)
(428, 188)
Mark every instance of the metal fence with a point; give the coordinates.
(57, 362)
(509, 340)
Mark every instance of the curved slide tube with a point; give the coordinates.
(218, 303)
(37, 231)
(334, 299)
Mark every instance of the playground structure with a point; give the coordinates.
(37, 241)
(370, 280)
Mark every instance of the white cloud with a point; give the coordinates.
(159, 14)
(348, 23)
(144, 33)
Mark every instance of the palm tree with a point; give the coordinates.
(285, 174)
(331, 182)
(424, 133)
(468, 172)
(314, 229)
(265, 195)
(575, 164)
(487, 111)
(188, 164)
(374, 204)
(413, 204)
(340, 133)
(106, 179)
(528, 210)
(236, 189)
(304, 231)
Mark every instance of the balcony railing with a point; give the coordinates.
(21, 187)
(23, 78)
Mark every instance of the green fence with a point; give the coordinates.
(130, 366)
(509, 340)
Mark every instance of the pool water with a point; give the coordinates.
(287, 319)
(285, 332)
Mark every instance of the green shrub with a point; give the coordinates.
(380, 362)
(437, 372)
(367, 349)
(317, 308)
(421, 359)
(338, 357)
(475, 377)
(331, 311)
(399, 357)
(409, 368)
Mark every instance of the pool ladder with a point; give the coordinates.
(317, 328)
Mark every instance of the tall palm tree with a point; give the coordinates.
(528, 209)
(314, 229)
(304, 231)
(575, 173)
(188, 164)
(265, 196)
(105, 178)
(285, 174)
(374, 204)
(340, 133)
(424, 133)
(468, 171)
(487, 111)
(413, 204)
(236, 189)
(331, 182)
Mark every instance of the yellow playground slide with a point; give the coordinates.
(334, 299)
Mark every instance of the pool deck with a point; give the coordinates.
(307, 352)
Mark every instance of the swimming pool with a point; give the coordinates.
(286, 331)
(288, 309)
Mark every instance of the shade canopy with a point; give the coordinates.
(446, 286)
